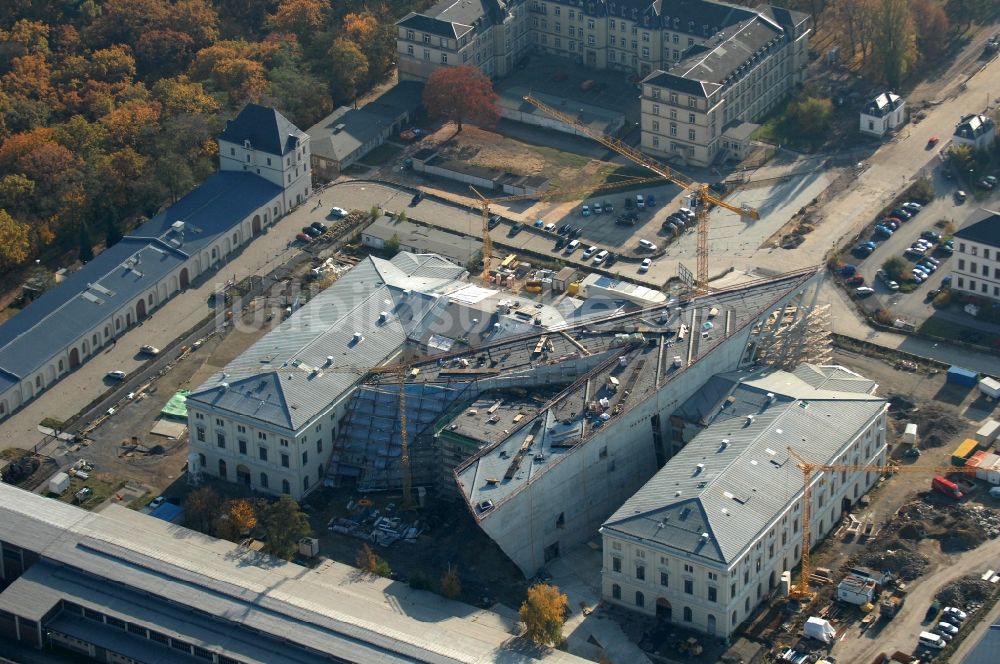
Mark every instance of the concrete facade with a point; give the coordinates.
(975, 267)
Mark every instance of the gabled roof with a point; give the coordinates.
(972, 126)
(883, 105)
(734, 478)
(287, 378)
(682, 84)
(265, 128)
(984, 231)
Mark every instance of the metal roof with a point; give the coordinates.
(287, 377)
(114, 279)
(265, 128)
(734, 478)
(984, 231)
(230, 599)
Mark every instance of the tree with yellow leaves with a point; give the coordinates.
(543, 614)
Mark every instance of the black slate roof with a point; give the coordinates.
(265, 128)
(985, 231)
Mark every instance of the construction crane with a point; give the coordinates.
(809, 469)
(700, 190)
(485, 203)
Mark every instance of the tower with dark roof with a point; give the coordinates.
(262, 141)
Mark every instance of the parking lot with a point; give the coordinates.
(916, 306)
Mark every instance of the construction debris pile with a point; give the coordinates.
(939, 425)
(969, 592)
(896, 558)
(957, 527)
(379, 527)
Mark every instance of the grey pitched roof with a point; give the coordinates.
(226, 598)
(91, 294)
(883, 105)
(985, 231)
(736, 477)
(286, 378)
(682, 84)
(265, 128)
(720, 57)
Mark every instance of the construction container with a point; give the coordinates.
(965, 450)
(990, 387)
(985, 464)
(910, 434)
(59, 483)
(988, 432)
(959, 376)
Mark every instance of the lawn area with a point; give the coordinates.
(103, 486)
(381, 155)
(558, 158)
(945, 329)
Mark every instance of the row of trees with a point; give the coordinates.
(108, 109)
(282, 522)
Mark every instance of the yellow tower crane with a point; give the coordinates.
(802, 591)
(700, 190)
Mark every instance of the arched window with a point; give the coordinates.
(38, 382)
(96, 340)
(222, 468)
(640, 599)
(616, 591)
(687, 614)
(118, 323)
(60, 366)
(107, 331)
(149, 300)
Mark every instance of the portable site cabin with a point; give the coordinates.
(988, 432)
(990, 387)
(960, 376)
(965, 450)
(910, 434)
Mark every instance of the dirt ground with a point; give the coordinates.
(482, 147)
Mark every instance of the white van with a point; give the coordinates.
(931, 640)
(571, 247)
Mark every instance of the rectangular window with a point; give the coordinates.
(673, 97)
(261, 435)
(673, 129)
(220, 440)
(319, 446)
(688, 587)
(732, 590)
(656, 109)
(262, 453)
(656, 126)
(691, 134)
(616, 564)
(200, 434)
(640, 572)
(409, 34)
(961, 263)
(305, 458)
(242, 445)
(591, 41)
(664, 580)
(284, 460)
(656, 141)
(427, 39)
(444, 58)
(713, 594)
(240, 428)
(645, 52)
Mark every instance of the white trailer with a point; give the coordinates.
(988, 433)
(990, 387)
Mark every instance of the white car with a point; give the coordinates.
(947, 628)
(646, 244)
(588, 252)
(150, 350)
(116, 375)
(956, 612)
(912, 207)
(337, 212)
(599, 258)
(864, 291)
(892, 285)
(644, 265)
(156, 502)
(550, 227)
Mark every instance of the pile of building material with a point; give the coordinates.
(376, 526)
(969, 592)
(902, 562)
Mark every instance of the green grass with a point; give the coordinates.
(908, 286)
(557, 158)
(102, 487)
(381, 155)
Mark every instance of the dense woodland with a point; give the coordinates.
(108, 108)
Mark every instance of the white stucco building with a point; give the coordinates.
(975, 267)
(884, 113)
(124, 284)
(707, 539)
(976, 131)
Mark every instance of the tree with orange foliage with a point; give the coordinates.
(360, 27)
(15, 242)
(543, 614)
(460, 94)
(303, 18)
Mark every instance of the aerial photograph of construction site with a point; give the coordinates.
(500, 332)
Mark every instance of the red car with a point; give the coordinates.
(932, 141)
(856, 280)
(303, 237)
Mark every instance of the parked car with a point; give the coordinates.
(494, 221)
(864, 291)
(585, 210)
(560, 243)
(647, 245)
(515, 229)
(571, 247)
(321, 227)
(149, 350)
(563, 229)
(549, 228)
(947, 627)
(856, 280)
(611, 259)
(891, 222)
(883, 232)
(116, 375)
(650, 201)
(932, 611)
(303, 237)
(985, 184)
(601, 257)
(338, 213)
(608, 207)
(927, 267)
(576, 232)
(900, 213)
(960, 196)
(863, 251)
(629, 203)
(644, 265)
(596, 207)
(311, 232)
(931, 236)
(588, 252)
(624, 220)
(640, 202)
(933, 261)
(156, 502)
(955, 611)
(687, 212)
(913, 252)
(892, 285)
(932, 141)
(539, 223)
(417, 197)
(912, 207)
